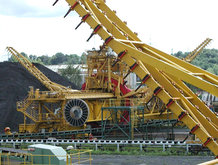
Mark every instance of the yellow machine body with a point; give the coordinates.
(162, 73)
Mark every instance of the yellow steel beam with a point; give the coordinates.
(152, 51)
(191, 56)
(164, 115)
(168, 68)
(92, 95)
(202, 107)
(100, 17)
(48, 96)
(50, 111)
(113, 17)
(211, 162)
(184, 73)
(152, 83)
(187, 66)
(37, 73)
(196, 115)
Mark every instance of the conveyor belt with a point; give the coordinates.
(70, 141)
(64, 134)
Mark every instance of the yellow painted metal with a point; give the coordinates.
(160, 61)
(169, 69)
(173, 65)
(38, 105)
(199, 105)
(186, 103)
(34, 106)
(51, 120)
(211, 162)
(191, 56)
(111, 23)
(37, 73)
(156, 69)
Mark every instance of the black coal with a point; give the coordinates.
(15, 81)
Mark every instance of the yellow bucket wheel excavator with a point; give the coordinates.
(165, 75)
(62, 108)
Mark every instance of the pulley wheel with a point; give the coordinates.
(76, 112)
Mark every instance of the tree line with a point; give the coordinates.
(57, 59)
(72, 73)
(207, 60)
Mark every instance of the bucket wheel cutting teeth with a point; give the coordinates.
(76, 112)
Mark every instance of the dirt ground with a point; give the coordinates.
(148, 160)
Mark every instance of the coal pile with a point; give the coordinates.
(15, 81)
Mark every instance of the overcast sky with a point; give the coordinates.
(36, 27)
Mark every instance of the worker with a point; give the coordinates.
(91, 137)
(7, 131)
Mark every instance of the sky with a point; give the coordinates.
(36, 27)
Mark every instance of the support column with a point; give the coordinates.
(118, 147)
(187, 148)
(140, 145)
(164, 149)
(96, 146)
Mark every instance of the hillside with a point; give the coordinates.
(207, 59)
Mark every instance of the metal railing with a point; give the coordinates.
(73, 157)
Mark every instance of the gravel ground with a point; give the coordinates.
(148, 160)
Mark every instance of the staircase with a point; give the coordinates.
(29, 108)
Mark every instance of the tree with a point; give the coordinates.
(180, 54)
(83, 58)
(33, 57)
(73, 74)
(206, 60)
(73, 59)
(45, 59)
(58, 58)
(12, 59)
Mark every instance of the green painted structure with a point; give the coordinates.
(47, 154)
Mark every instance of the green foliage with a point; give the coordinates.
(44, 59)
(207, 59)
(32, 58)
(60, 58)
(72, 74)
(73, 59)
(12, 59)
(83, 58)
(57, 59)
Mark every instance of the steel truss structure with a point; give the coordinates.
(165, 75)
(161, 72)
(191, 56)
(116, 124)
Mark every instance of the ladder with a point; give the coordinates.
(52, 86)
